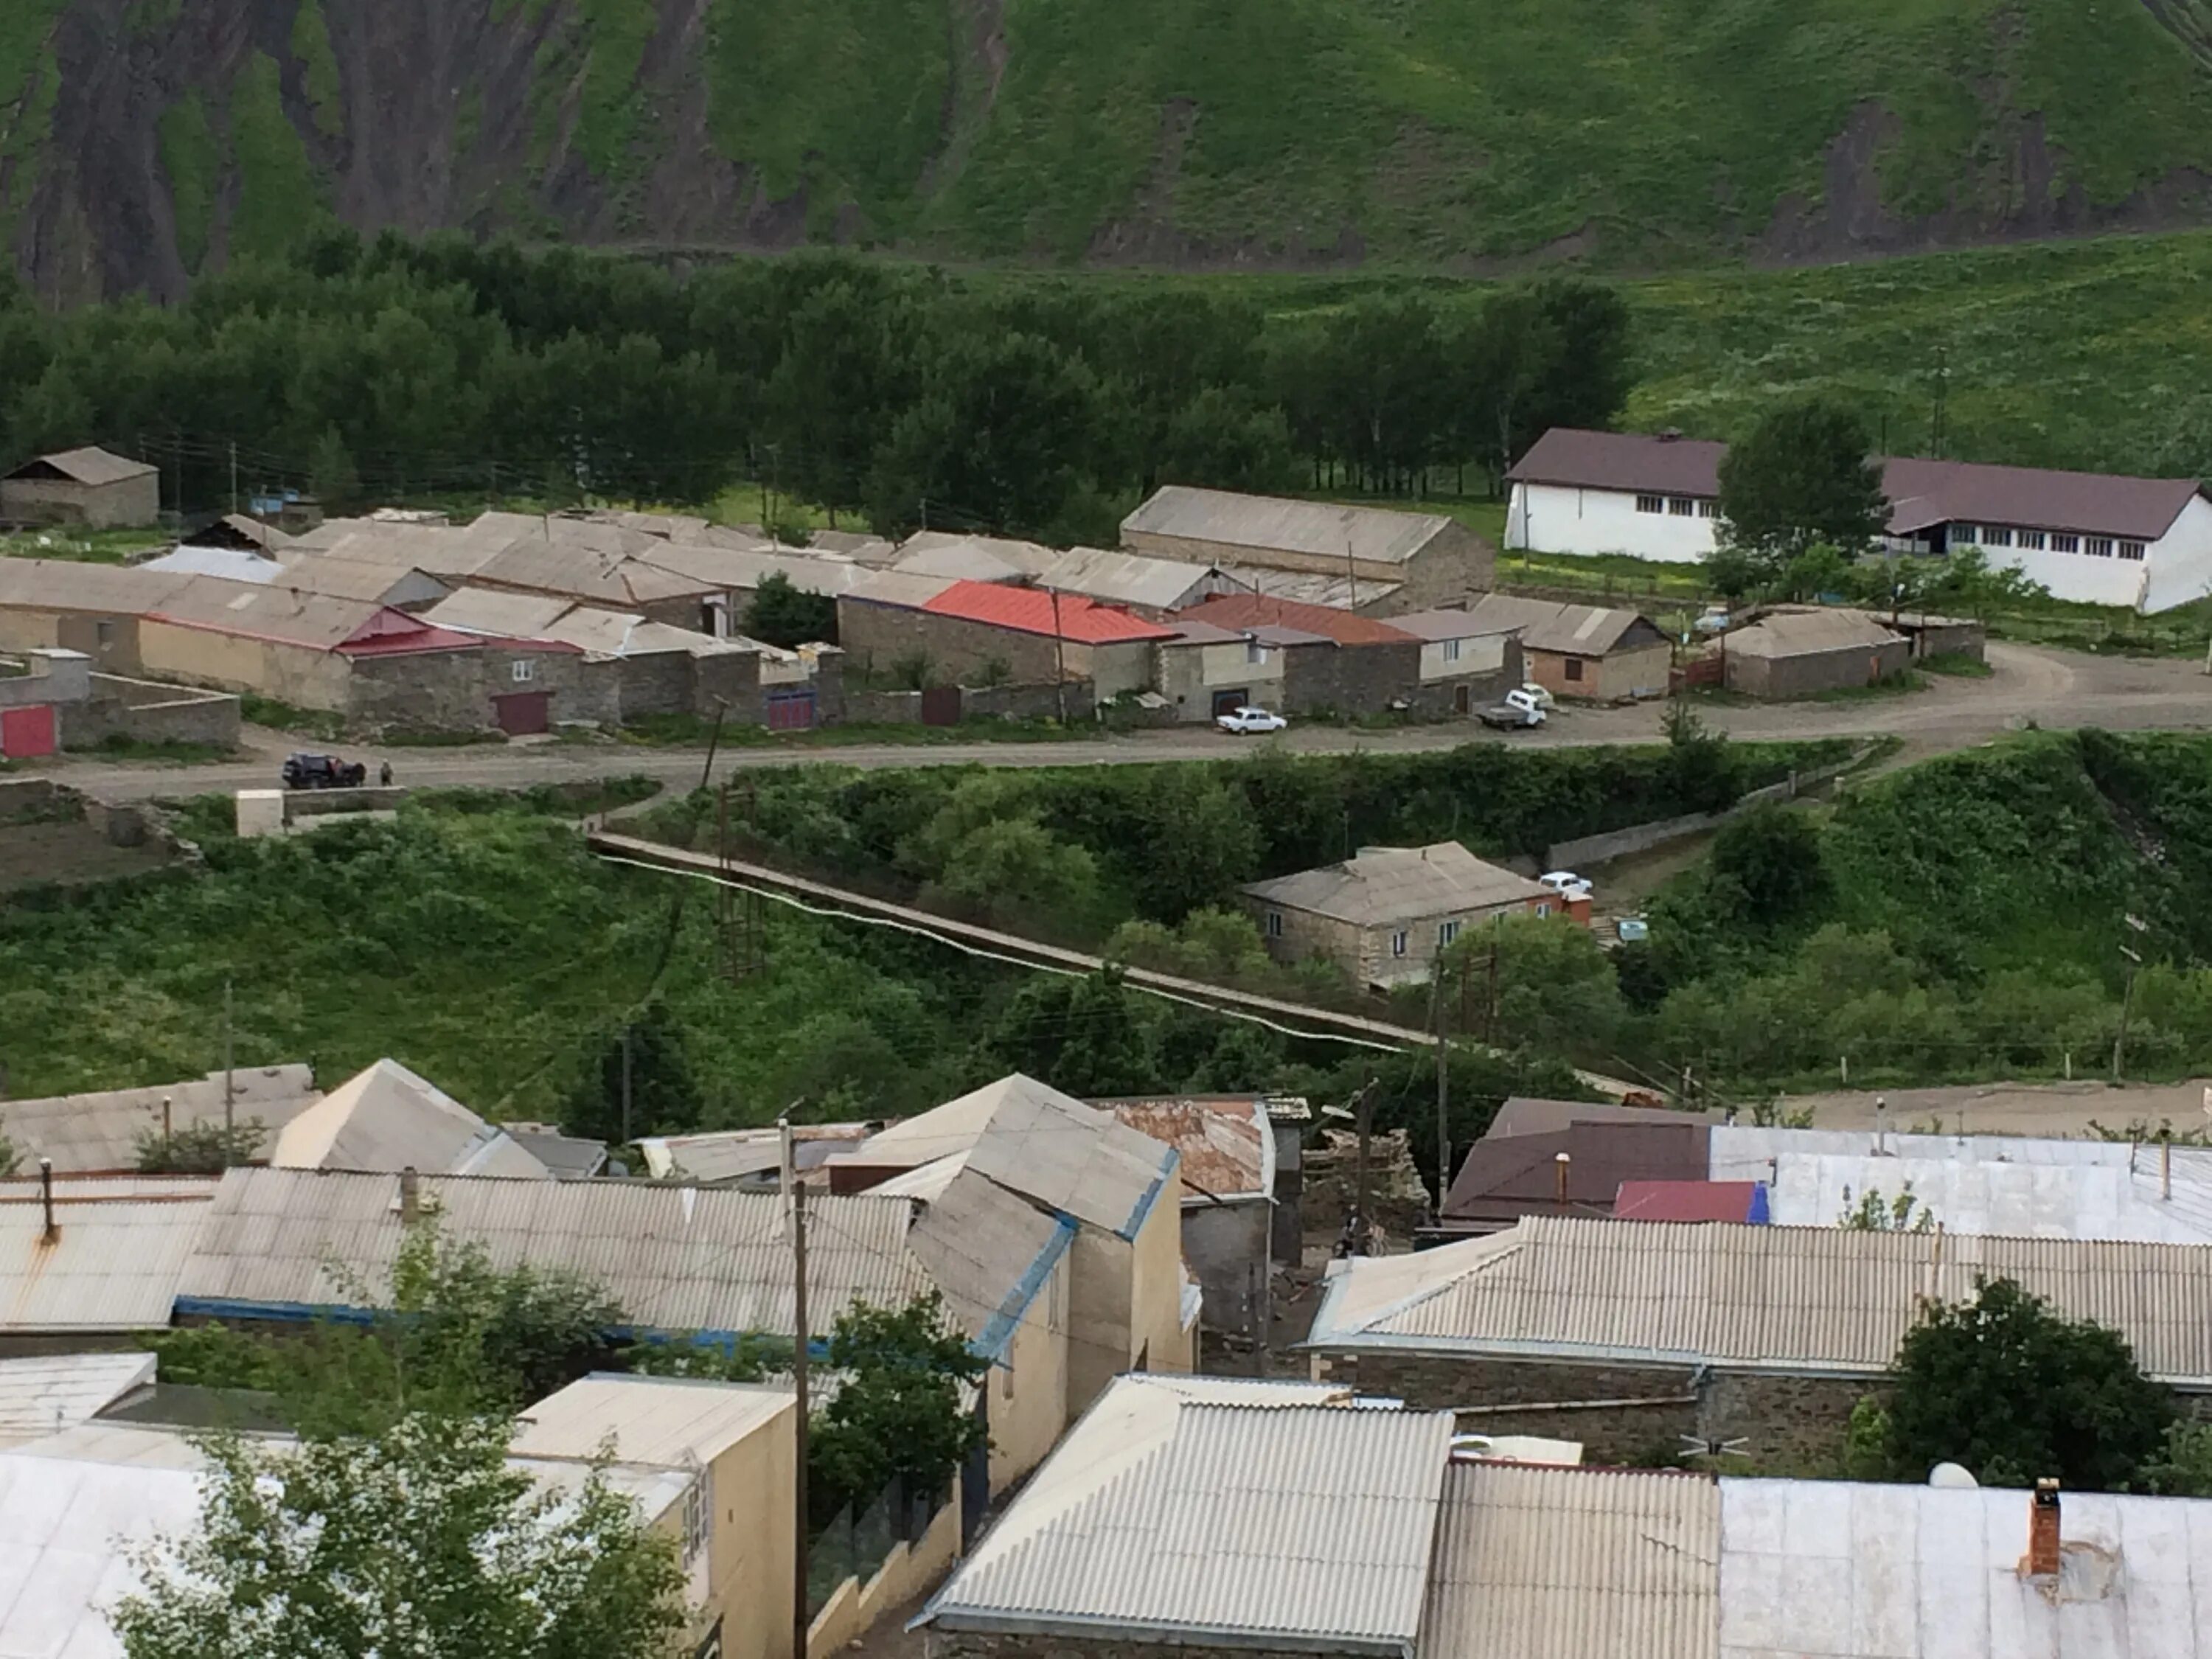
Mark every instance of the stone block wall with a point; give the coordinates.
(939, 1642)
(1350, 679)
(147, 711)
(875, 637)
(452, 690)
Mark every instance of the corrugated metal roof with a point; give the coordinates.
(1271, 522)
(668, 1422)
(231, 563)
(1225, 1147)
(74, 585)
(989, 1252)
(386, 1118)
(1743, 1202)
(741, 570)
(1034, 610)
(1574, 1563)
(316, 621)
(91, 467)
(1136, 578)
(48, 1393)
(676, 1258)
(1825, 1300)
(1033, 1139)
(1249, 611)
(738, 1154)
(1575, 630)
(1850, 1571)
(117, 1262)
(1384, 884)
(1800, 633)
(1623, 460)
(83, 1133)
(1163, 1515)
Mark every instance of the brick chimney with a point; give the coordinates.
(2043, 1530)
(410, 1196)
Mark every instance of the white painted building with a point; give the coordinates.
(2142, 543)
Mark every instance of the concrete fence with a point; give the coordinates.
(1643, 837)
(1036, 703)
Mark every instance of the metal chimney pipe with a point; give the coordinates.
(46, 1197)
(1562, 1163)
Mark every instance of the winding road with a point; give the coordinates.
(2028, 684)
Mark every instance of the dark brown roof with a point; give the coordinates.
(1624, 460)
(1502, 1179)
(1251, 611)
(1922, 493)
(1524, 1114)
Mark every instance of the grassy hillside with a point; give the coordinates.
(1438, 133)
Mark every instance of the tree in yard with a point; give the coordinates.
(1803, 476)
(664, 1095)
(1874, 1213)
(1555, 992)
(331, 473)
(207, 1148)
(1771, 856)
(2014, 1391)
(421, 1540)
(1083, 1036)
(781, 614)
(896, 1413)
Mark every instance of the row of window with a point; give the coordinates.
(2034, 541)
(1678, 506)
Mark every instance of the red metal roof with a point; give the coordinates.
(1035, 610)
(1689, 1201)
(1249, 611)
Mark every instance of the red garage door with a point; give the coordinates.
(26, 731)
(526, 714)
(790, 711)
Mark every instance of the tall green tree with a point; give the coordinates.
(896, 1413)
(1806, 475)
(421, 1540)
(781, 614)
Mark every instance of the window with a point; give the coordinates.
(1995, 536)
(1398, 943)
(1543, 910)
(2031, 538)
(698, 1516)
(105, 632)
(1682, 507)
(1447, 932)
(2060, 542)
(1275, 923)
(1451, 650)
(1650, 504)
(1709, 509)
(1574, 668)
(2131, 550)
(1254, 652)
(524, 671)
(2099, 547)
(1964, 535)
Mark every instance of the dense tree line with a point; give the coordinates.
(394, 368)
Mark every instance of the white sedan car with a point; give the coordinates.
(1566, 884)
(1245, 722)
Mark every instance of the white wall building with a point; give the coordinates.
(2143, 544)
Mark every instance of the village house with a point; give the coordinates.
(334, 576)
(1577, 1169)
(384, 1118)
(973, 632)
(1152, 588)
(2145, 543)
(1333, 662)
(1428, 559)
(51, 700)
(1802, 653)
(1624, 1335)
(84, 488)
(1599, 654)
(104, 1133)
(1384, 916)
(70, 605)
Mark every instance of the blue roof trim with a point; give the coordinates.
(1135, 1223)
(997, 1336)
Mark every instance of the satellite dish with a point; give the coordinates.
(1951, 1478)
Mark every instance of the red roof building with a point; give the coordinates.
(1240, 611)
(1035, 610)
(1738, 1201)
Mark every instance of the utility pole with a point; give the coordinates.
(1444, 1087)
(230, 1090)
(1059, 658)
(233, 475)
(800, 1621)
(1360, 1225)
(627, 1028)
(1351, 577)
(2127, 1000)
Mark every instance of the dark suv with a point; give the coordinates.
(323, 772)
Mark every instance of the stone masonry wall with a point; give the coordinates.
(877, 636)
(150, 713)
(940, 1644)
(1350, 679)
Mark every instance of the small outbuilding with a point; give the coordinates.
(89, 489)
(1599, 652)
(1800, 654)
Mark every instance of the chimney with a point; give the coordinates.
(1562, 1163)
(2165, 1167)
(1880, 1125)
(410, 1197)
(53, 1231)
(2043, 1530)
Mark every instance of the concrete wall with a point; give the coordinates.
(1370, 954)
(150, 713)
(1227, 1245)
(111, 641)
(1350, 679)
(125, 504)
(1808, 673)
(875, 637)
(1565, 519)
(1451, 659)
(1026, 1401)
(301, 675)
(1441, 698)
(452, 690)
(1188, 676)
(1642, 837)
(1103, 1274)
(1640, 671)
(855, 1608)
(1036, 703)
(2179, 566)
(1157, 1342)
(750, 1550)
(1123, 667)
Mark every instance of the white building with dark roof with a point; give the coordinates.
(2099, 538)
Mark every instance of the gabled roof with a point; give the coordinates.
(231, 563)
(1448, 623)
(743, 569)
(74, 585)
(93, 1133)
(1545, 1562)
(1385, 885)
(1032, 611)
(1224, 1146)
(386, 1118)
(727, 1155)
(1118, 578)
(48, 1393)
(1805, 633)
(624, 581)
(1584, 630)
(667, 1422)
(120, 1249)
(1508, 1176)
(92, 467)
(1246, 611)
(1523, 1114)
(1274, 523)
(972, 558)
(566, 1158)
(1648, 463)
(1804, 1301)
(344, 577)
(1032, 1139)
(282, 615)
(1165, 1517)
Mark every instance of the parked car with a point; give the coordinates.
(1632, 930)
(1517, 712)
(323, 772)
(1545, 700)
(1567, 884)
(1714, 621)
(1246, 722)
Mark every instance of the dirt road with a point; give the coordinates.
(2028, 684)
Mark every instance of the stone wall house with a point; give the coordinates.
(1800, 654)
(1384, 916)
(952, 630)
(1624, 1334)
(1428, 559)
(1467, 660)
(1596, 654)
(67, 605)
(87, 489)
(1334, 662)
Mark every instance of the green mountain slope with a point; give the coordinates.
(1439, 133)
